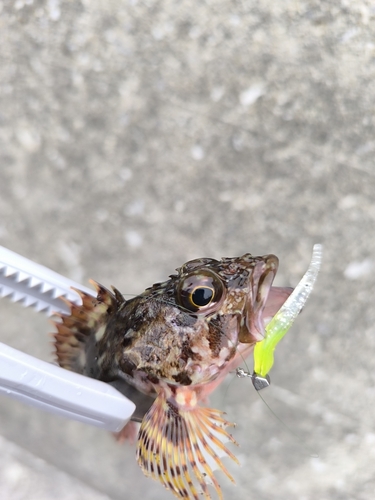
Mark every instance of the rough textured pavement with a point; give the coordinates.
(135, 135)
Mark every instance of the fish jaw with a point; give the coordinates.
(252, 324)
(181, 444)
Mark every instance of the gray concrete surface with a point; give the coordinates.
(24, 475)
(135, 135)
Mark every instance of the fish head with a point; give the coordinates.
(232, 287)
(186, 330)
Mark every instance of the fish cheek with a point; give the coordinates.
(223, 333)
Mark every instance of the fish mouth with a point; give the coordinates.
(253, 325)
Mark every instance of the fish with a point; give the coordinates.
(167, 349)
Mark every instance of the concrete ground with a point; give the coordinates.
(136, 135)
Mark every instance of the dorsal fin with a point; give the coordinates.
(78, 333)
(119, 297)
(181, 448)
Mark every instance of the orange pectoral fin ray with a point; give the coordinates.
(181, 448)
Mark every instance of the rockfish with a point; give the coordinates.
(167, 349)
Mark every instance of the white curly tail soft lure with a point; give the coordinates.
(281, 323)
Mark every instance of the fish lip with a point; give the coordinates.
(253, 328)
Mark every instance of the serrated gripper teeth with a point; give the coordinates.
(29, 301)
(21, 276)
(46, 287)
(41, 306)
(9, 271)
(58, 292)
(34, 285)
(17, 296)
(5, 291)
(34, 282)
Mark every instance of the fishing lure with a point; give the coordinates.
(282, 322)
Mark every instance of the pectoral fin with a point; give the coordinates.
(77, 333)
(182, 447)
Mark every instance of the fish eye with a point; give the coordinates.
(202, 296)
(199, 290)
